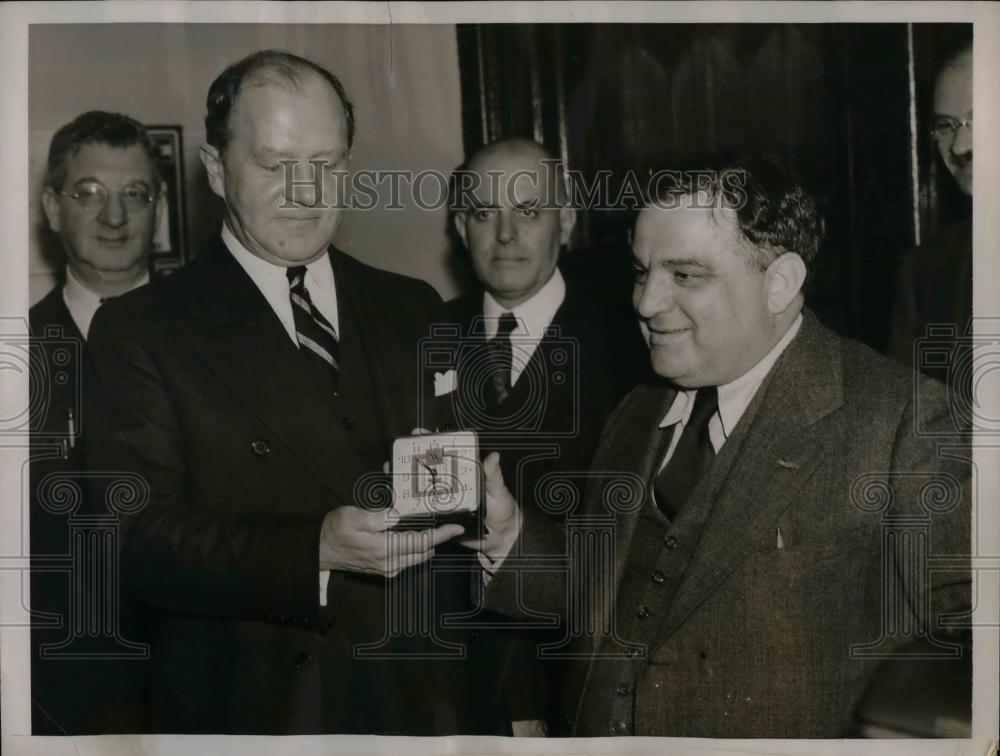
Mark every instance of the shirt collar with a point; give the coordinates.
(257, 268)
(82, 303)
(735, 396)
(680, 409)
(533, 315)
(272, 279)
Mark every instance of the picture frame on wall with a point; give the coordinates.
(169, 243)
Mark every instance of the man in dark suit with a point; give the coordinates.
(935, 279)
(795, 508)
(257, 392)
(514, 224)
(542, 364)
(102, 199)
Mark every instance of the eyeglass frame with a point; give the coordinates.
(952, 125)
(150, 199)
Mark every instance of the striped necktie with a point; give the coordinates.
(502, 358)
(317, 338)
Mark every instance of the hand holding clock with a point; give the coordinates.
(502, 517)
(359, 540)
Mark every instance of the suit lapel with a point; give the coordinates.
(537, 374)
(362, 381)
(640, 449)
(634, 443)
(555, 337)
(777, 447)
(245, 344)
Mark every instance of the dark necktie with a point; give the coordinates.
(317, 338)
(502, 358)
(692, 456)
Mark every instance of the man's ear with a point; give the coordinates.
(458, 218)
(50, 203)
(212, 161)
(567, 220)
(784, 279)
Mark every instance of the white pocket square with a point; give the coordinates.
(445, 383)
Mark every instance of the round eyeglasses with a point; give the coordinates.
(943, 129)
(91, 195)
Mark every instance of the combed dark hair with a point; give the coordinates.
(259, 68)
(95, 127)
(774, 212)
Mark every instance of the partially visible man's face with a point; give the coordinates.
(114, 242)
(515, 231)
(702, 307)
(953, 100)
(271, 123)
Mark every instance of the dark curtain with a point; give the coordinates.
(834, 100)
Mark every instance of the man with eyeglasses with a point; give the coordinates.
(103, 200)
(935, 282)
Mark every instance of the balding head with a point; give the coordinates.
(535, 161)
(511, 211)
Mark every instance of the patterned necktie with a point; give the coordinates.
(317, 338)
(692, 456)
(502, 358)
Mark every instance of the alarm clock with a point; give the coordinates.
(436, 479)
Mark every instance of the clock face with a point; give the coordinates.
(436, 474)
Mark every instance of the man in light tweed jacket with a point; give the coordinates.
(794, 497)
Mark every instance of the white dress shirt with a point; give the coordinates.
(82, 303)
(734, 398)
(533, 316)
(272, 280)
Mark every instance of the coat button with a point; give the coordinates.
(260, 448)
(302, 660)
(623, 690)
(642, 612)
(671, 542)
(347, 422)
(618, 728)
(657, 577)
